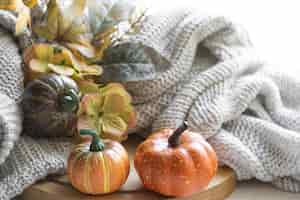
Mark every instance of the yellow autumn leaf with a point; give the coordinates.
(118, 100)
(85, 122)
(114, 103)
(42, 51)
(113, 127)
(30, 3)
(39, 66)
(35, 69)
(87, 51)
(95, 70)
(91, 104)
(90, 53)
(87, 87)
(59, 60)
(60, 56)
(110, 111)
(53, 54)
(23, 20)
(64, 22)
(105, 34)
(116, 88)
(129, 116)
(22, 9)
(61, 69)
(23, 13)
(69, 25)
(100, 46)
(8, 4)
(51, 21)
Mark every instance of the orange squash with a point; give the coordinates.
(175, 163)
(99, 166)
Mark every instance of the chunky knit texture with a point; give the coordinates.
(215, 81)
(30, 161)
(11, 88)
(8, 21)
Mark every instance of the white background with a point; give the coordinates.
(274, 26)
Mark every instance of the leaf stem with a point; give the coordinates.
(133, 25)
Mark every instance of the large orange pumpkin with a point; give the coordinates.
(98, 167)
(175, 163)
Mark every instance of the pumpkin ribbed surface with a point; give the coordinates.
(46, 113)
(175, 171)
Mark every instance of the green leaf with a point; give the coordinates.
(132, 62)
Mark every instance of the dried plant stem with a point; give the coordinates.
(133, 26)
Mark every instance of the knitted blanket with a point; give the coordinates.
(214, 79)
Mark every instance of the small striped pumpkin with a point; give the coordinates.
(99, 166)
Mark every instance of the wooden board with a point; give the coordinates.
(59, 187)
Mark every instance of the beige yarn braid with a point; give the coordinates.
(216, 81)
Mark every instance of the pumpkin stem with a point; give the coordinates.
(69, 101)
(174, 138)
(97, 144)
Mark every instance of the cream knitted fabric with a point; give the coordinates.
(28, 160)
(11, 88)
(215, 81)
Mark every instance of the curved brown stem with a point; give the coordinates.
(174, 138)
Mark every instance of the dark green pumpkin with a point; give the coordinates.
(50, 104)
